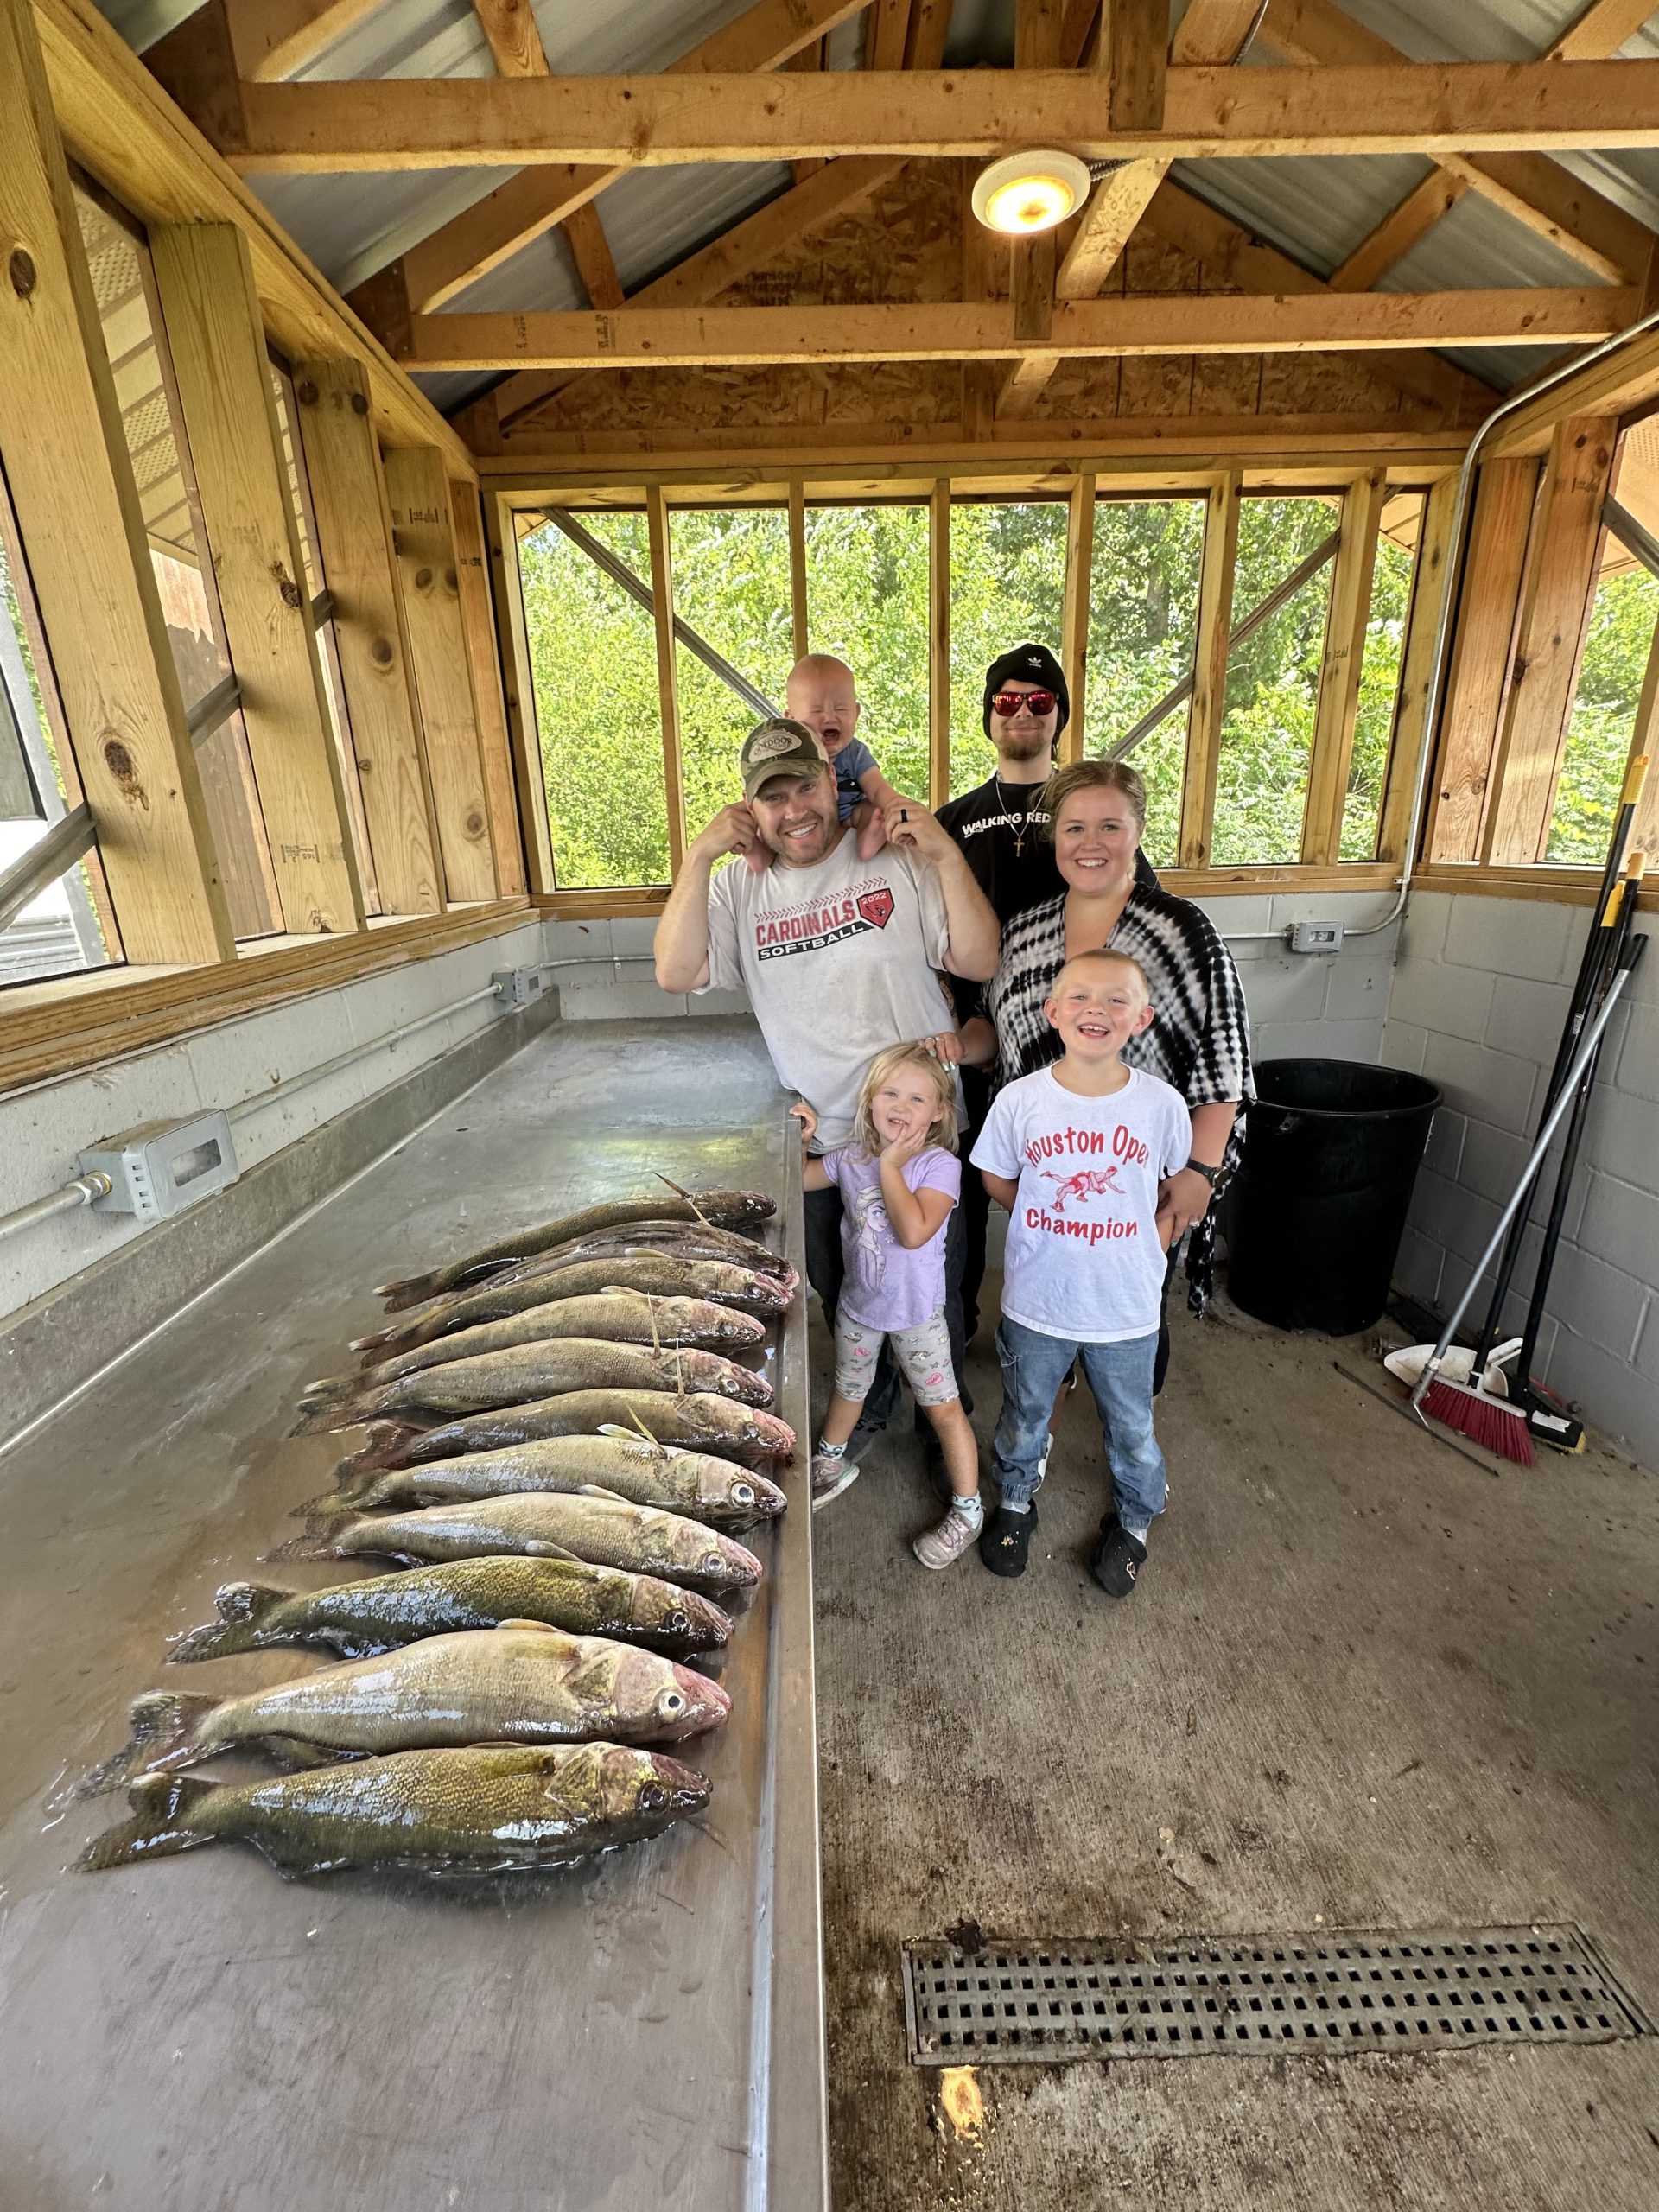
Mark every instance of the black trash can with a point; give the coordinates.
(1331, 1149)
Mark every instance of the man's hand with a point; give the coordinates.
(733, 829)
(909, 822)
(1181, 1201)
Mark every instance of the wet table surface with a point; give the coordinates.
(642, 2029)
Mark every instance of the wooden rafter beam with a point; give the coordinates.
(1396, 234)
(763, 38)
(273, 38)
(514, 41)
(1601, 27)
(1209, 114)
(1528, 186)
(961, 330)
(748, 246)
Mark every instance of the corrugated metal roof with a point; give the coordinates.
(1318, 210)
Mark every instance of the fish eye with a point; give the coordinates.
(743, 1493)
(712, 1562)
(673, 1701)
(652, 1798)
(678, 1623)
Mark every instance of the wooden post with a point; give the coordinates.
(1074, 620)
(348, 496)
(501, 525)
(668, 684)
(1644, 738)
(479, 624)
(1481, 657)
(1554, 613)
(939, 644)
(1422, 621)
(1209, 670)
(205, 279)
(430, 593)
(798, 566)
(78, 514)
(1344, 649)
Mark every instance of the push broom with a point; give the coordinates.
(1492, 1421)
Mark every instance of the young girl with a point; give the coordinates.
(899, 1179)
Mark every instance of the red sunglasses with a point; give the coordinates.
(1034, 703)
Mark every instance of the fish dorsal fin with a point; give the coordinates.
(538, 1628)
(598, 1490)
(630, 1435)
(536, 1549)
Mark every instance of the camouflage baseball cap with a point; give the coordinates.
(779, 749)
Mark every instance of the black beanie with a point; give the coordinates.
(1027, 664)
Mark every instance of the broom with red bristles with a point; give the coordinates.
(1500, 1427)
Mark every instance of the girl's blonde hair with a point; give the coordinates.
(944, 1131)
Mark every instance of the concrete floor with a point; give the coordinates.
(1364, 1680)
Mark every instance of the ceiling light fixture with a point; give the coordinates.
(1027, 193)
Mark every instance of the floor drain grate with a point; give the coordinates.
(1337, 1990)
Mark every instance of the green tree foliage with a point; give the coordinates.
(1604, 716)
(596, 696)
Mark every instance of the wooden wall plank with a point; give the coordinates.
(348, 494)
(1555, 609)
(668, 682)
(1482, 651)
(1074, 616)
(513, 640)
(215, 335)
(800, 620)
(417, 488)
(1422, 620)
(477, 621)
(1209, 670)
(939, 644)
(1345, 647)
(78, 513)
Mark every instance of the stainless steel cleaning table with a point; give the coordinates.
(197, 2033)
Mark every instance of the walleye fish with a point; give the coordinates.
(715, 1491)
(384, 1611)
(699, 1420)
(719, 1209)
(521, 1373)
(657, 1274)
(681, 1239)
(496, 1809)
(521, 1683)
(588, 1524)
(617, 1317)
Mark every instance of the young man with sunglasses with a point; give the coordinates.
(999, 825)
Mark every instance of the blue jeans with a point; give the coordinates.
(1033, 1367)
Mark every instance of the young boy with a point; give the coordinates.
(821, 696)
(1076, 1152)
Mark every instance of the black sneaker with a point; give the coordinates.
(1117, 1560)
(1004, 1540)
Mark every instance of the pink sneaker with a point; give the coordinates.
(830, 1476)
(940, 1546)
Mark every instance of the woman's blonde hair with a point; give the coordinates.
(944, 1131)
(1091, 776)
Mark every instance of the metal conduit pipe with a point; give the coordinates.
(80, 1192)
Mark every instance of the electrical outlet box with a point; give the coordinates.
(1314, 937)
(518, 986)
(159, 1168)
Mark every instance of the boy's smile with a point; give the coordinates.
(1097, 1006)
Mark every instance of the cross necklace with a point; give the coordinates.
(1025, 819)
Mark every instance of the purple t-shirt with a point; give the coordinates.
(887, 1286)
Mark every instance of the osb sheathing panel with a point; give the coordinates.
(905, 242)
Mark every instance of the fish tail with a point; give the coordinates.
(377, 1456)
(381, 1344)
(323, 1525)
(162, 1806)
(242, 1607)
(165, 1731)
(337, 1401)
(413, 1290)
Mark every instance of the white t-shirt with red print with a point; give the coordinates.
(1084, 1261)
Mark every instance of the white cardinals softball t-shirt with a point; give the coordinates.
(839, 961)
(1084, 1260)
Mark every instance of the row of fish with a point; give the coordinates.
(565, 1529)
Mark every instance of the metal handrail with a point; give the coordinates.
(43, 863)
(619, 572)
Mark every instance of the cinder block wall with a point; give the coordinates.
(1479, 993)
